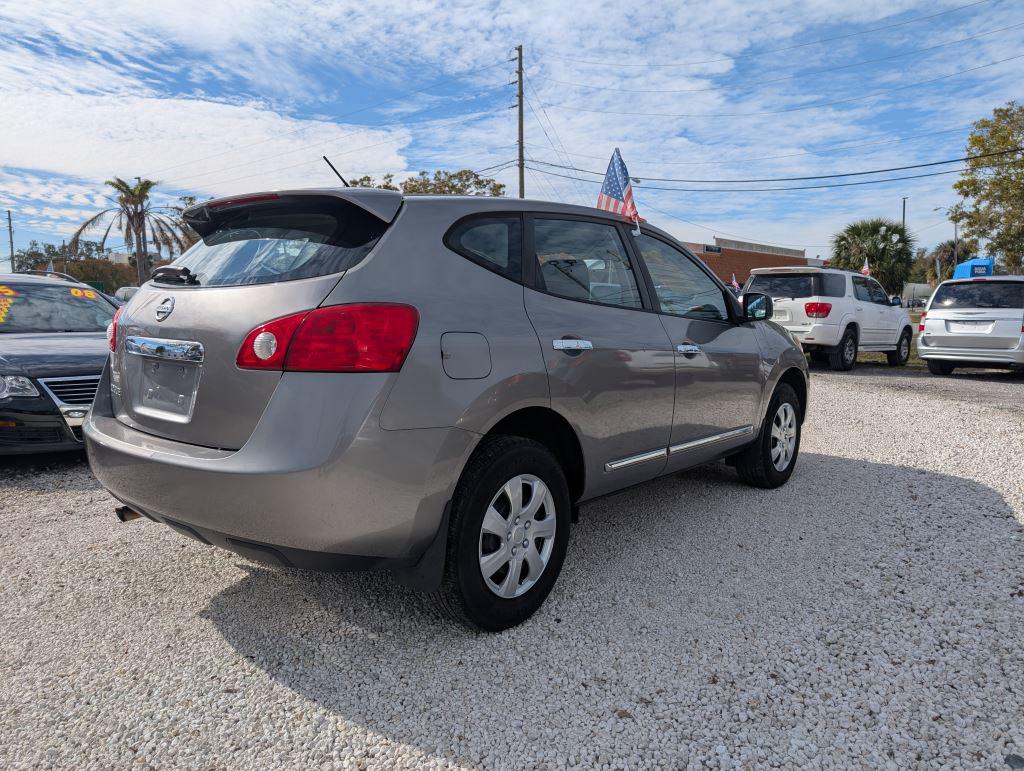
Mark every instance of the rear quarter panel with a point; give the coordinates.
(453, 295)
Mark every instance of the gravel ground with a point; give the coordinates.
(869, 613)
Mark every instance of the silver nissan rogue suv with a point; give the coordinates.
(355, 379)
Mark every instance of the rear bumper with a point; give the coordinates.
(980, 357)
(826, 335)
(324, 488)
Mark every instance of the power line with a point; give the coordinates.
(800, 74)
(801, 187)
(817, 151)
(575, 184)
(786, 109)
(336, 118)
(818, 176)
(735, 235)
(554, 130)
(612, 61)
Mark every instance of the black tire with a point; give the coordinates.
(844, 356)
(901, 355)
(819, 357)
(754, 465)
(464, 594)
(938, 367)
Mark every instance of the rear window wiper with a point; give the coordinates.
(174, 274)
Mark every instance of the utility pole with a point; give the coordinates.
(10, 237)
(905, 213)
(519, 94)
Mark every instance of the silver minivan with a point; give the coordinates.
(974, 322)
(355, 379)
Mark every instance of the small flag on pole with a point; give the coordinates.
(734, 283)
(866, 270)
(617, 191)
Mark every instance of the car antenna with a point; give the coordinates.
(346, 184)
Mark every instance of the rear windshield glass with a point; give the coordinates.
(798, 285)
(282, 240)
(42, 308)
(980, 294)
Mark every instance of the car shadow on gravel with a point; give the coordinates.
(694, 604)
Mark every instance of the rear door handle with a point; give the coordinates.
(689, 349)
(572, 344)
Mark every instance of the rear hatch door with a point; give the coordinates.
(259, 258)
(980, 314)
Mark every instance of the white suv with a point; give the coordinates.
(835, 313)
(974, 322)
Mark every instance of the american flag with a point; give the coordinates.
(617, 191)
(866, 270)
(734, 283)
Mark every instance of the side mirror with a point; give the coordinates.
(756, 307)
(896, 301)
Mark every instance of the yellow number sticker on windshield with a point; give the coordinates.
(6, 291)
(5, 304)
(76, 292)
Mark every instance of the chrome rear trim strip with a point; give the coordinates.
(617, 465)
(741, 431)
(173, 350)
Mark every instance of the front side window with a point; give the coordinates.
(494, 242)
(584, 261)
(47, 308)
(878, 295)
(683, 289)
(979, 294)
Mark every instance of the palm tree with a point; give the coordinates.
(132, 213)
(885, 244)
(948, 254)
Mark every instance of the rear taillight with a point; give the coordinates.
(341, 338)
(920, 326)
(112, 330)
(817, 310)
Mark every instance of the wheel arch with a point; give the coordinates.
(794, 378)
(551, 429)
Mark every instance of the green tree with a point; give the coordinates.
(993, 188)
(947, 254)
(887, 246)
(187, 235)
(464, 182)
(919, 270)
(139, 222)
(36, 256)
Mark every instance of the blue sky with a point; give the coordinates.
(229, 97)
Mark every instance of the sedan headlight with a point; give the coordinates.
(16, 385)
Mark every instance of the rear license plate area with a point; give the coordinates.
(163, 389)
(970, 327)
(779, 315)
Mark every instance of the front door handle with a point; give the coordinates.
(572, 344)
(689, 349)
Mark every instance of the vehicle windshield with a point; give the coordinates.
(979, 294)
(49, 308)
(788, 285)
(283, 241)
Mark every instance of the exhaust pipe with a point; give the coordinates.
(126, 514)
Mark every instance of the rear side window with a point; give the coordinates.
(860, 289)
(980, 294)
(832, 285)
(282, 240)
(583, 260)
(493, 242)
(48, 308)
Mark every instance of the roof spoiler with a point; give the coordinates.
(382, 204)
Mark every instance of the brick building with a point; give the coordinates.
(726, 257)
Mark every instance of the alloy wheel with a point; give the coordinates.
(783, 446)
(517, 536)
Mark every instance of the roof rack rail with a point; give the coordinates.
(53, 274)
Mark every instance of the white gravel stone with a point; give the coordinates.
(869, 613)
